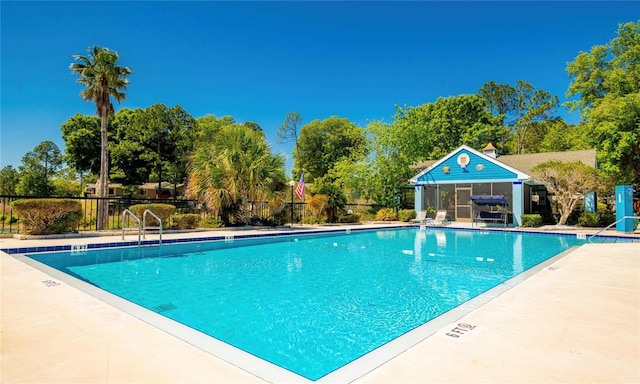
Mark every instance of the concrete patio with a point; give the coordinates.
(575, 321)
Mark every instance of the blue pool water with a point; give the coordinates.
(312, 303)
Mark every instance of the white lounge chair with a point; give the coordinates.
(441, 217)
(421, 216)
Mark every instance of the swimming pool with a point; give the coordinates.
(312, 304)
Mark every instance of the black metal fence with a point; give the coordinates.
(291, 212)
(9, 219)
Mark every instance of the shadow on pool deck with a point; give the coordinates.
(574, 321)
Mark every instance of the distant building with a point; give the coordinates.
(166, 191)
(449, 183)
(115, 190)
(146, 190)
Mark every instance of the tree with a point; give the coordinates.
(103, 79)
(209, 126)
(233, 171)
(322, 144)
(335, 200)
(151, 142)
(428, 131)
(38, 168)
(288, 131)
(557, 136)
(253, 125)
(81, 136)
(519, 107)
(128, 162)
(607, 82)
(8, 180)
(567, 181)
(66, 183)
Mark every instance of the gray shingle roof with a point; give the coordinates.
(527, 161)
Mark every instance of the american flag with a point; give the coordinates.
(300, 187)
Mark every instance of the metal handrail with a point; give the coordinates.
(144, 226)
(124, 214)
(611, 225)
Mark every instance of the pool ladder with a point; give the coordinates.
(142, 225)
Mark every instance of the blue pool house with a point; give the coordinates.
(461, 181)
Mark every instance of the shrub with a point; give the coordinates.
(163, 211)
(211, 222)
(531, 220)
(186, 221)
(386, 214)
(316, 205)
(607, 218)
(367, 216)
(589, 219)
(349, 218)
(311, 220)
(406, 214)
(266, 221)
(596, 219)
(48, 216)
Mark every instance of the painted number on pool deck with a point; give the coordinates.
(461, 329)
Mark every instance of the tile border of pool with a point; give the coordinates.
(261, 368)
(129, 243)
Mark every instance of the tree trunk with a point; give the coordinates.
(103, 203)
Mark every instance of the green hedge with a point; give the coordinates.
(349, 218)
(163, 211)
(596, 219)
(386, 214)
(186, 221)
(211, 222)
(48, 216)
(406, 215)
(531, 220)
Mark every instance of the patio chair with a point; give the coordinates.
(421, 217)
(441, 218)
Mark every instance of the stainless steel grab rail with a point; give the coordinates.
(611, 225)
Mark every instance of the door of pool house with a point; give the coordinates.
(463, 204)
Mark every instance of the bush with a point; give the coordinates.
(163, 211)
(211, 222)
(589, 219)
(311, 220)
(266, 221)
(367, 216)
(531, 220)
(48, 216)
(186, 221)
(406, 215)
(607, 218)
(386, 214)
(349, 218)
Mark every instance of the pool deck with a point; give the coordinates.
(575, 321)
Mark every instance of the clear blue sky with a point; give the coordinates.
(256, 61)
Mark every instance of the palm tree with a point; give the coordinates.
(234, 170)
(103, 79)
